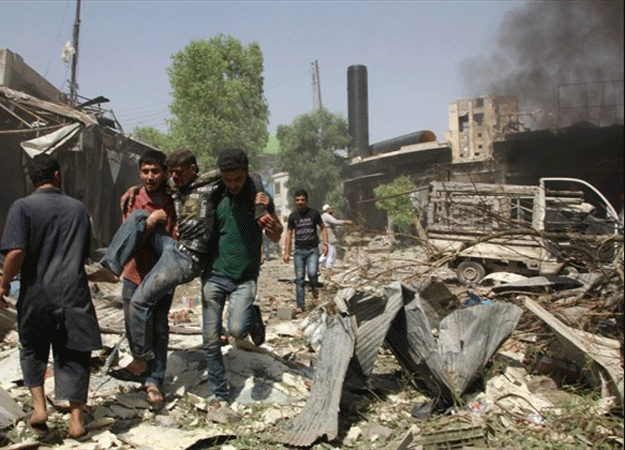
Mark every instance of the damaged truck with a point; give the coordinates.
(532, 230)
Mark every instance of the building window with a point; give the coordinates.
(478, 118)
(479, 134)
(276, 188)
(463, 123)
(479, 102)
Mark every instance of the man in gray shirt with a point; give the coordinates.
(331, 224)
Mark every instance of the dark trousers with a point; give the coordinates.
(71, 369)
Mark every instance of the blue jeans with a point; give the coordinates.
(306, 261)
(172, 268)
(127, 237)
(215, 288)
(160, 337)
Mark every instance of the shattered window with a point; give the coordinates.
(463, 122)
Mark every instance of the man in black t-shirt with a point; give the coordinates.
(302, 224)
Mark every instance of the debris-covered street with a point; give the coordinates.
(557, 379)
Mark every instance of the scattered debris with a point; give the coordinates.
(582, 345)
(393, 342)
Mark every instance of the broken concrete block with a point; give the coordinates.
(196, 401)
(10, 411)
(285, 313)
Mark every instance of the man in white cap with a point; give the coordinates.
(331, 223)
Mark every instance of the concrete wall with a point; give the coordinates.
(474, 125)
(17, 75)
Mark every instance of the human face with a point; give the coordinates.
(152, 176)
(234, 180)
(301, 202)
(183, 174)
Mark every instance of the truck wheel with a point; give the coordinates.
(470, 272)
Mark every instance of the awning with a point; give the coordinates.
(50, 142)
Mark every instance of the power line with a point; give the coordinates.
(289, 80)
(149, 105)
(59, 39)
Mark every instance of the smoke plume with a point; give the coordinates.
(563, 60)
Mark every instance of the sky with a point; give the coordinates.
(413, 51)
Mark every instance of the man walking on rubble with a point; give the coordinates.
(302, 225)
(154, 200)
(47, 238)
(179, 262)
(235, 269)
(331, 223)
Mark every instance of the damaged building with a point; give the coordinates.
(98, 161)
(486, 143)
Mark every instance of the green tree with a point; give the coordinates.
(153, 137)
(394, 198)
(218, 98)
(308, 153)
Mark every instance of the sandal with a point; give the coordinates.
(83, 437)
(125, 374)
(40, 429)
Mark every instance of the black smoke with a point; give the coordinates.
(563, 60)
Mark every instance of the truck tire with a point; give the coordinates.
(470, 272)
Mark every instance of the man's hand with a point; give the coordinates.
(271, 225)
(268, 222)
(12, 263)
(128, 198)
(4, 293)
(261, 199)
(286, 256)
(156, 217)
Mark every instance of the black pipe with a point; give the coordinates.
(358, 110)
(394, 144)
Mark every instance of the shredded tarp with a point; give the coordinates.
(51, 141)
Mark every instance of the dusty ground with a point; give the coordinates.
(367, 420)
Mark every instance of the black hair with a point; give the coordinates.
(41, 169)
(181, 157)
(301, 193)
(153, 157)
(232, 159)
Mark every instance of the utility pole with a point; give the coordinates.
(316, 85)
(73, 87)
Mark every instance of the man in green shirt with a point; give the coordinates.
(234, 271)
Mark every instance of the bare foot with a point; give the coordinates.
(76, 431)
(154, 396)
(38, 417)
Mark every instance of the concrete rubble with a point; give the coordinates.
(393, 343)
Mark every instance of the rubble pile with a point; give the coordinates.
(395, 354)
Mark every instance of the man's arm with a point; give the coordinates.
(330, 219)
(287, 245)
(12, 265)
(127, 199)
